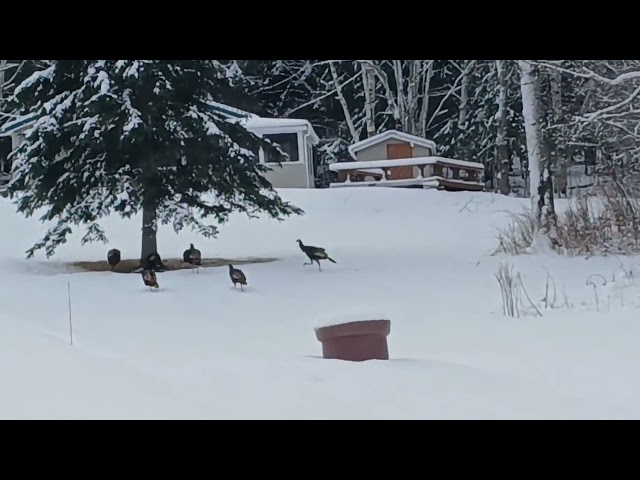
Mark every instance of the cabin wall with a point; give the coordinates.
(379, 151)
(289, 176)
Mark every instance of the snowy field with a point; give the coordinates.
(197, 348)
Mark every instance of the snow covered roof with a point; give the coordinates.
(257, 123)
(250, 120)
(229, 111)
(254, 122)
(388, 135)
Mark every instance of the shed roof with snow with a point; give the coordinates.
(391, 135)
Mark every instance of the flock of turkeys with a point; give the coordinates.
(192, 256)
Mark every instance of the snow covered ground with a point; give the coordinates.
(197, 348)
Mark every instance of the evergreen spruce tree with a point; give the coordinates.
(131, 135)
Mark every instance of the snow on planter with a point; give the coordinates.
(348, 317)
(354, 337)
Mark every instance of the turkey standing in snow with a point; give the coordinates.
(113, 257)
(149, 279)
(193, 256)
(237, 276)
(315, 254)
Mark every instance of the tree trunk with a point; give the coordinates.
(402, 111)
(532, 131)
(422, 121)
(149, 229)
(560, 160)
(464, 98)
(3, 65)
(369, 84)
(416, 73)
(501, 140)
(539, 170)
(547, 147)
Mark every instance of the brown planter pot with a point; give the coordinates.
(355, 341)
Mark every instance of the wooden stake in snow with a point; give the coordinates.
(70, 324)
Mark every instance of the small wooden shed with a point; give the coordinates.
(397, 159)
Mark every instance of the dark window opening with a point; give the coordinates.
(287, 142)
(5, 150)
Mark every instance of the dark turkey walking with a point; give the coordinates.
(237, 276)
(149, 279)
(315, 254)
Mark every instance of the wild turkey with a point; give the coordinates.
(153, 261)
(113, 257)
(193, 256)
(315, 254)
(237, 276)
(149, 279)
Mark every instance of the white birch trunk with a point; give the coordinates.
(416, 77)
(532, 131)
(369, 85)
(392, 104)
(3, 66)
(555, 78)
(539, 173)
(501, 137)
(464, 96)
(422, 121)
(407, 100)
(402, 108)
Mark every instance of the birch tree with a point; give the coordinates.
(369, 87)
(413, 101)
(485, 123)
(501, 136)
(538, 174)
(606, 110)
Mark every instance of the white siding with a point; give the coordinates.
(291, 174)
(379, 151)
(288, 176)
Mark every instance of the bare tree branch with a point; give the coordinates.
(590, 74)
(343, 102)
(321, 97)
(626, 101)
(451, 90)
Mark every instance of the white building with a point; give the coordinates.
(295, 136)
